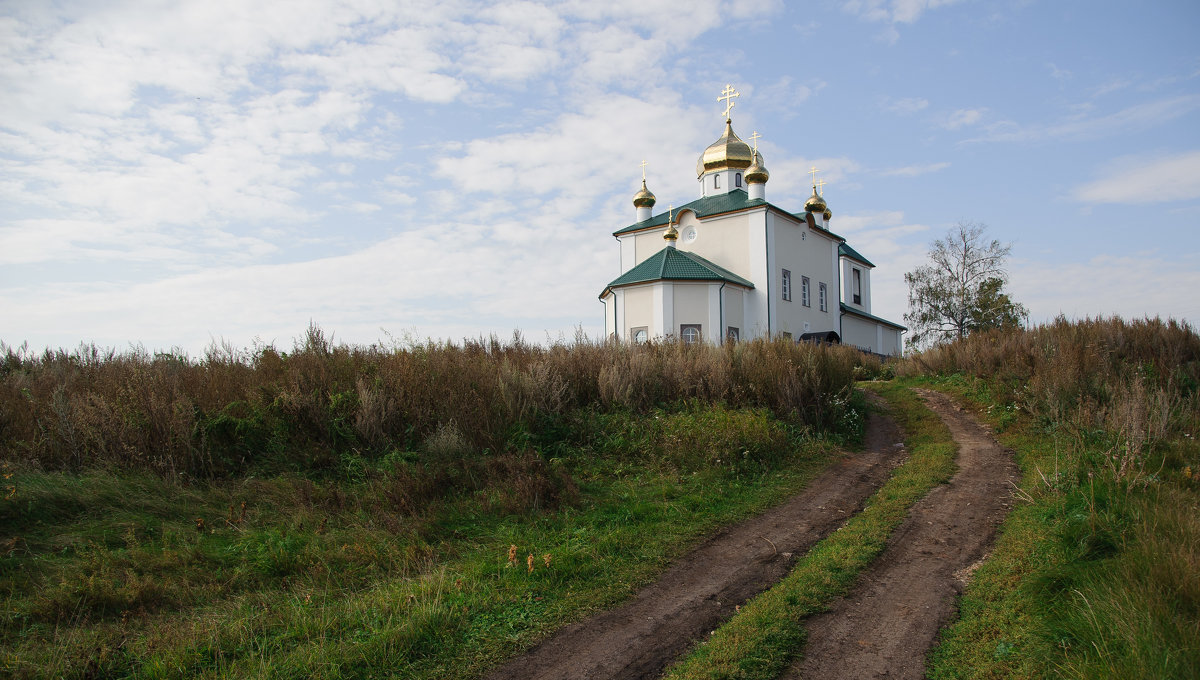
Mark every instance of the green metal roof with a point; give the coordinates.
(673, 264)
(703, 207)
(846, 251)
(858, 312)
(716, 205)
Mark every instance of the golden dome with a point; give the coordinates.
(672, 234)
(643, 198)
(815, 203)
(757, 172)
(827, 215)
(727, 152)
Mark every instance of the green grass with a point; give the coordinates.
(377, 570)
(1092, 576)
(763, 638)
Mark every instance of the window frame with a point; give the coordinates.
(683, 332)
(823, 296)
(732, 334)
(786, 288)
(639, 329)
(805, 291)
(717, 181)
(856, 276)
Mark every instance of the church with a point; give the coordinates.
(732, 266)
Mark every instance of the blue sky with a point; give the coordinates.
(174, 174)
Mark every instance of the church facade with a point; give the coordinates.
(732, 266)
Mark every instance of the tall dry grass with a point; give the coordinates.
(235, 410)
(1121, 386)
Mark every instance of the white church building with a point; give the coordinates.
(732, 266)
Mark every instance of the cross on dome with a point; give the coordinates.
(813, 171)
(754, 137)
(820, 186)
(727, 95)
(643, 171)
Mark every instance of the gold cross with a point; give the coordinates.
(754, 138)
(670, 214)
(643, 171)
(728, 94)
(820, 186)
(813, 172)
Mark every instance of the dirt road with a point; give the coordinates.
(640, 638)
(887, 624)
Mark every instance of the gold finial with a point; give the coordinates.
(820, 186)
(643, 171)
(754, 139)
(728, 94)
(813, 171)
(670, 213)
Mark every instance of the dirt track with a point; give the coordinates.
(885, 627)
(639, 638)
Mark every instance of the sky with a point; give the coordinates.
(175, 175)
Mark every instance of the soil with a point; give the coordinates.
(885, 627)
(640, 638)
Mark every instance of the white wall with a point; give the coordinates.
(803, 252)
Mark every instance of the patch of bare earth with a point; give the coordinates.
(640, 638)
(887, 624)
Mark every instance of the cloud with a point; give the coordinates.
(963, 118)
(914, 170)
(1135, 180)
(893, 11)
(1133, 118)
(906, 106)
(1128, 286)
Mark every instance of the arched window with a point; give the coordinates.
(737, 179)
(690, 332)
(716, 181)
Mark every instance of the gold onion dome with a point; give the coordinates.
(643, 198)
(727, 152)
(757, 172)
(672, 234)
(815, 203)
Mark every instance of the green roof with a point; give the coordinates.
(703, 207)
(716, 205)
(846, 251)
(858, 312)
(673, 264)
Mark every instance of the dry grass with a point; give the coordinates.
(231, 412)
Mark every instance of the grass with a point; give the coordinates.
(112, 574)
(1090, 577)
(766, 634)
(1097, 573)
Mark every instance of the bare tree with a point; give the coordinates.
(961, 289)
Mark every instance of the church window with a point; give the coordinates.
(787, 285)
(804, 297)
(737, 179)
(823, 297)
(856, 274)
(731, 334)
(690, 332)
(716, 181)
(640, 334)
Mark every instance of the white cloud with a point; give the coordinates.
(1145, 180)
(1128, 286)
(914, 170)
(963, 118)
(907, 105)
(893, 11)
(1140, 116)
